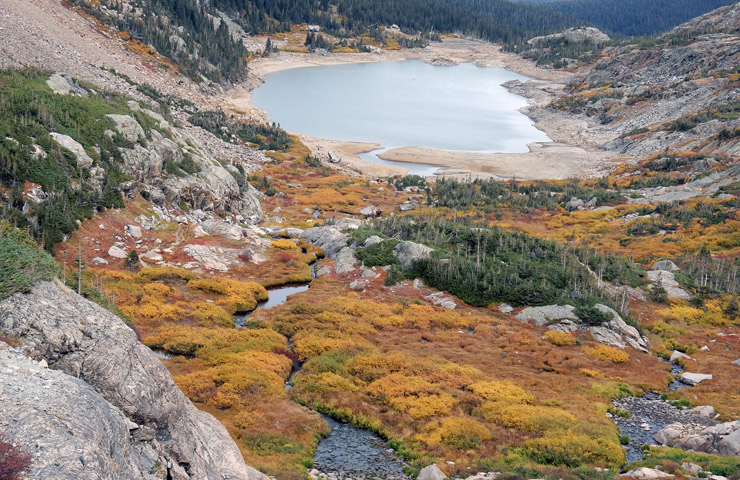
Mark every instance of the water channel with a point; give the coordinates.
(347, 452)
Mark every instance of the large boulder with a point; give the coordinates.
(645, 473)
(128, 127)
(65, 141)
(694, 378)
(330, 239)
(665, 265)
(722, 439)
(548, 314)
(346, 261)
(431, 472)
(617, 333)
(228, 230)
(110, 409)
(409, 252)
(668, 281)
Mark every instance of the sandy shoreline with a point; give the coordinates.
(571, 154)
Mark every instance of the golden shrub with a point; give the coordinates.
(165, 273)
(501, 391)
(424, 406)
(156, 288)
(373, 366)
(528, 418)
(561, 339)
(572, 450)
(209, 314)
(458, 432)
(610, 354)
(327, 382)
(284, 244)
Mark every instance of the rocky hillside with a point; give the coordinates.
(93, 402)
(677, 92)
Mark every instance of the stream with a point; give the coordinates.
(347, 452)
(649, 414)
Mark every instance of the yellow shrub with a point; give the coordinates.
(165, 273)
(424, 406)
(284, 244)
(561, 339)
(572, 450)
(501, 390)
(400, 385)
(377, 365)
(209, 314)
(240, 296)
(156, 288)
(458, 432)
(313, 345)
(528, 418)
(118, 275)
(326, 382)
(602, 352)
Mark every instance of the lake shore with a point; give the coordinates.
(573, 153)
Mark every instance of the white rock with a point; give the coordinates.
(100, 261)
(703, 411)
(694, 378)
(505, 308)
(644, 473)
(83, 159)
(199, 232)
(704, 348)
(677, 355)
(152, 256)
(431, 472)
(117, 252)
(133, 231)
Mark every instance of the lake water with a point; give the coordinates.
(397, 104)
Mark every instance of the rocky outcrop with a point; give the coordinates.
(330, 239)
(694, 378)
(409, 252)
(550, 314)
(64, 85)
(65, 141)
(431, 472)
(563, 318)
(617, 333)
(108, 409)
(574, 35)
(666, 265)
(668, 281)
(346, 261)
(645, 473)
(722, 439)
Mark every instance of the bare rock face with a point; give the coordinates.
(574, 35)
(617, 333)
(330, 239)
(409, 252)
(547, 314)
(65, 141)
(722, 439)
(108, 391)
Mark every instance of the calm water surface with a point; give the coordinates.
(398, 104)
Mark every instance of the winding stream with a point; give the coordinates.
(347, 452)
(649, 414)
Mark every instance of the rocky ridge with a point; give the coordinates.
(105, 404)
